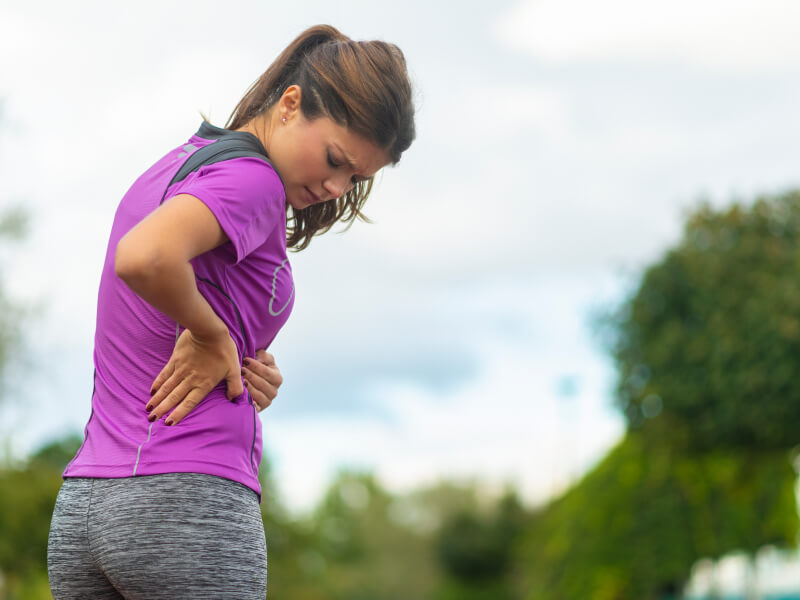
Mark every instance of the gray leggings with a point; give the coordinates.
(178, 535)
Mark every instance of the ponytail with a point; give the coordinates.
(363, 86)
(269, 88)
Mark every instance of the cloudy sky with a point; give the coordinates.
(560, 143)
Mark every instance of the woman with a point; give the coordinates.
(161, 501)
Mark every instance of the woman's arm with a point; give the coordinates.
(153, 260)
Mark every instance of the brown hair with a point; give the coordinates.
(363, 86)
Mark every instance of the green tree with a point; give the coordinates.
(13, 226)
(635, 525)
(706, 348)
(475, 550)
(27, 496)
(366, 543)
(711, 338)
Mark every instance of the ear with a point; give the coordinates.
(289, 104)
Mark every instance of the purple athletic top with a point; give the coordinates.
(247, 281)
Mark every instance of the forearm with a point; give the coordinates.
(153, 259)
(168, 284)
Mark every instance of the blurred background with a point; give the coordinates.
(559, 365)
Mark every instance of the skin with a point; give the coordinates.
(319, 156)
(318, 160)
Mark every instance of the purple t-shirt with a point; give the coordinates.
(247, 281)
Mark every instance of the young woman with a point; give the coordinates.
(161, 500)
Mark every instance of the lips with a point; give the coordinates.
(312, 197)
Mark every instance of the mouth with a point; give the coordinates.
(312, 197)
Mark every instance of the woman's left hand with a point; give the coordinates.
(262, 378)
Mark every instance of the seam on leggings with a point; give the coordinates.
(139, 449)
(89, 542)
(88, 510)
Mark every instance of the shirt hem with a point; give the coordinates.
(120, 471)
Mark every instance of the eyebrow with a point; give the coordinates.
(347, 159)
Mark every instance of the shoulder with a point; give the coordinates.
(247, 177)
(244, 168)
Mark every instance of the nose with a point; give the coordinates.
(338, 185)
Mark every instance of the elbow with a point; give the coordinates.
(134, 264)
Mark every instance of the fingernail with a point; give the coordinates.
(152, 417)
(170, 422)
(246, 361)
(244, 371)
(149, 407)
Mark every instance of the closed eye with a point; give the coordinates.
(335, 165)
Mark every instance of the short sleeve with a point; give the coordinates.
(245, 195)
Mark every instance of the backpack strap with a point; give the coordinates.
(228, 145)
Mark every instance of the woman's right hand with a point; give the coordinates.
(195, 368)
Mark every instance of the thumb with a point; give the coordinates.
(234, 383)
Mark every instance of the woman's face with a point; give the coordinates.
(320, 160)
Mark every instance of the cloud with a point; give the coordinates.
(493, 112)
(508, 426)
(721, 34)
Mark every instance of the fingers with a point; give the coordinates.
(234, 385)
(261, 370)
(189, 403)
(162, 377)
(262, 379)
(159, 391)
(265, 357)
(182, 391)
(262, 396)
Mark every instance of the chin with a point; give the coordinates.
(298, 205)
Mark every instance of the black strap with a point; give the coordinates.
(229, 144)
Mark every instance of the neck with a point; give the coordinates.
(261, 127)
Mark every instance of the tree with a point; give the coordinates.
(711, 338)
(27, 497)
(475, 548)
(13, 225)
(706, 348)
(635, 525)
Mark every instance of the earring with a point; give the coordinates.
(284, 120)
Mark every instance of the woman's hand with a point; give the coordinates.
(196, 366)
(262, 378)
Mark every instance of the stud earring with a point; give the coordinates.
(284, 119)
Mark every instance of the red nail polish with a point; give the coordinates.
(152, 417)
(148, 408)
(170, 422)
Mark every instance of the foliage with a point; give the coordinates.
(13, 226)
(635, 525)
(27, 497)
(476, 551)
(355, 545)
(712, 335)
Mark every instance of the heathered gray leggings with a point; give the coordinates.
(172, 536)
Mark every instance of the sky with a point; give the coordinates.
(560, 145)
